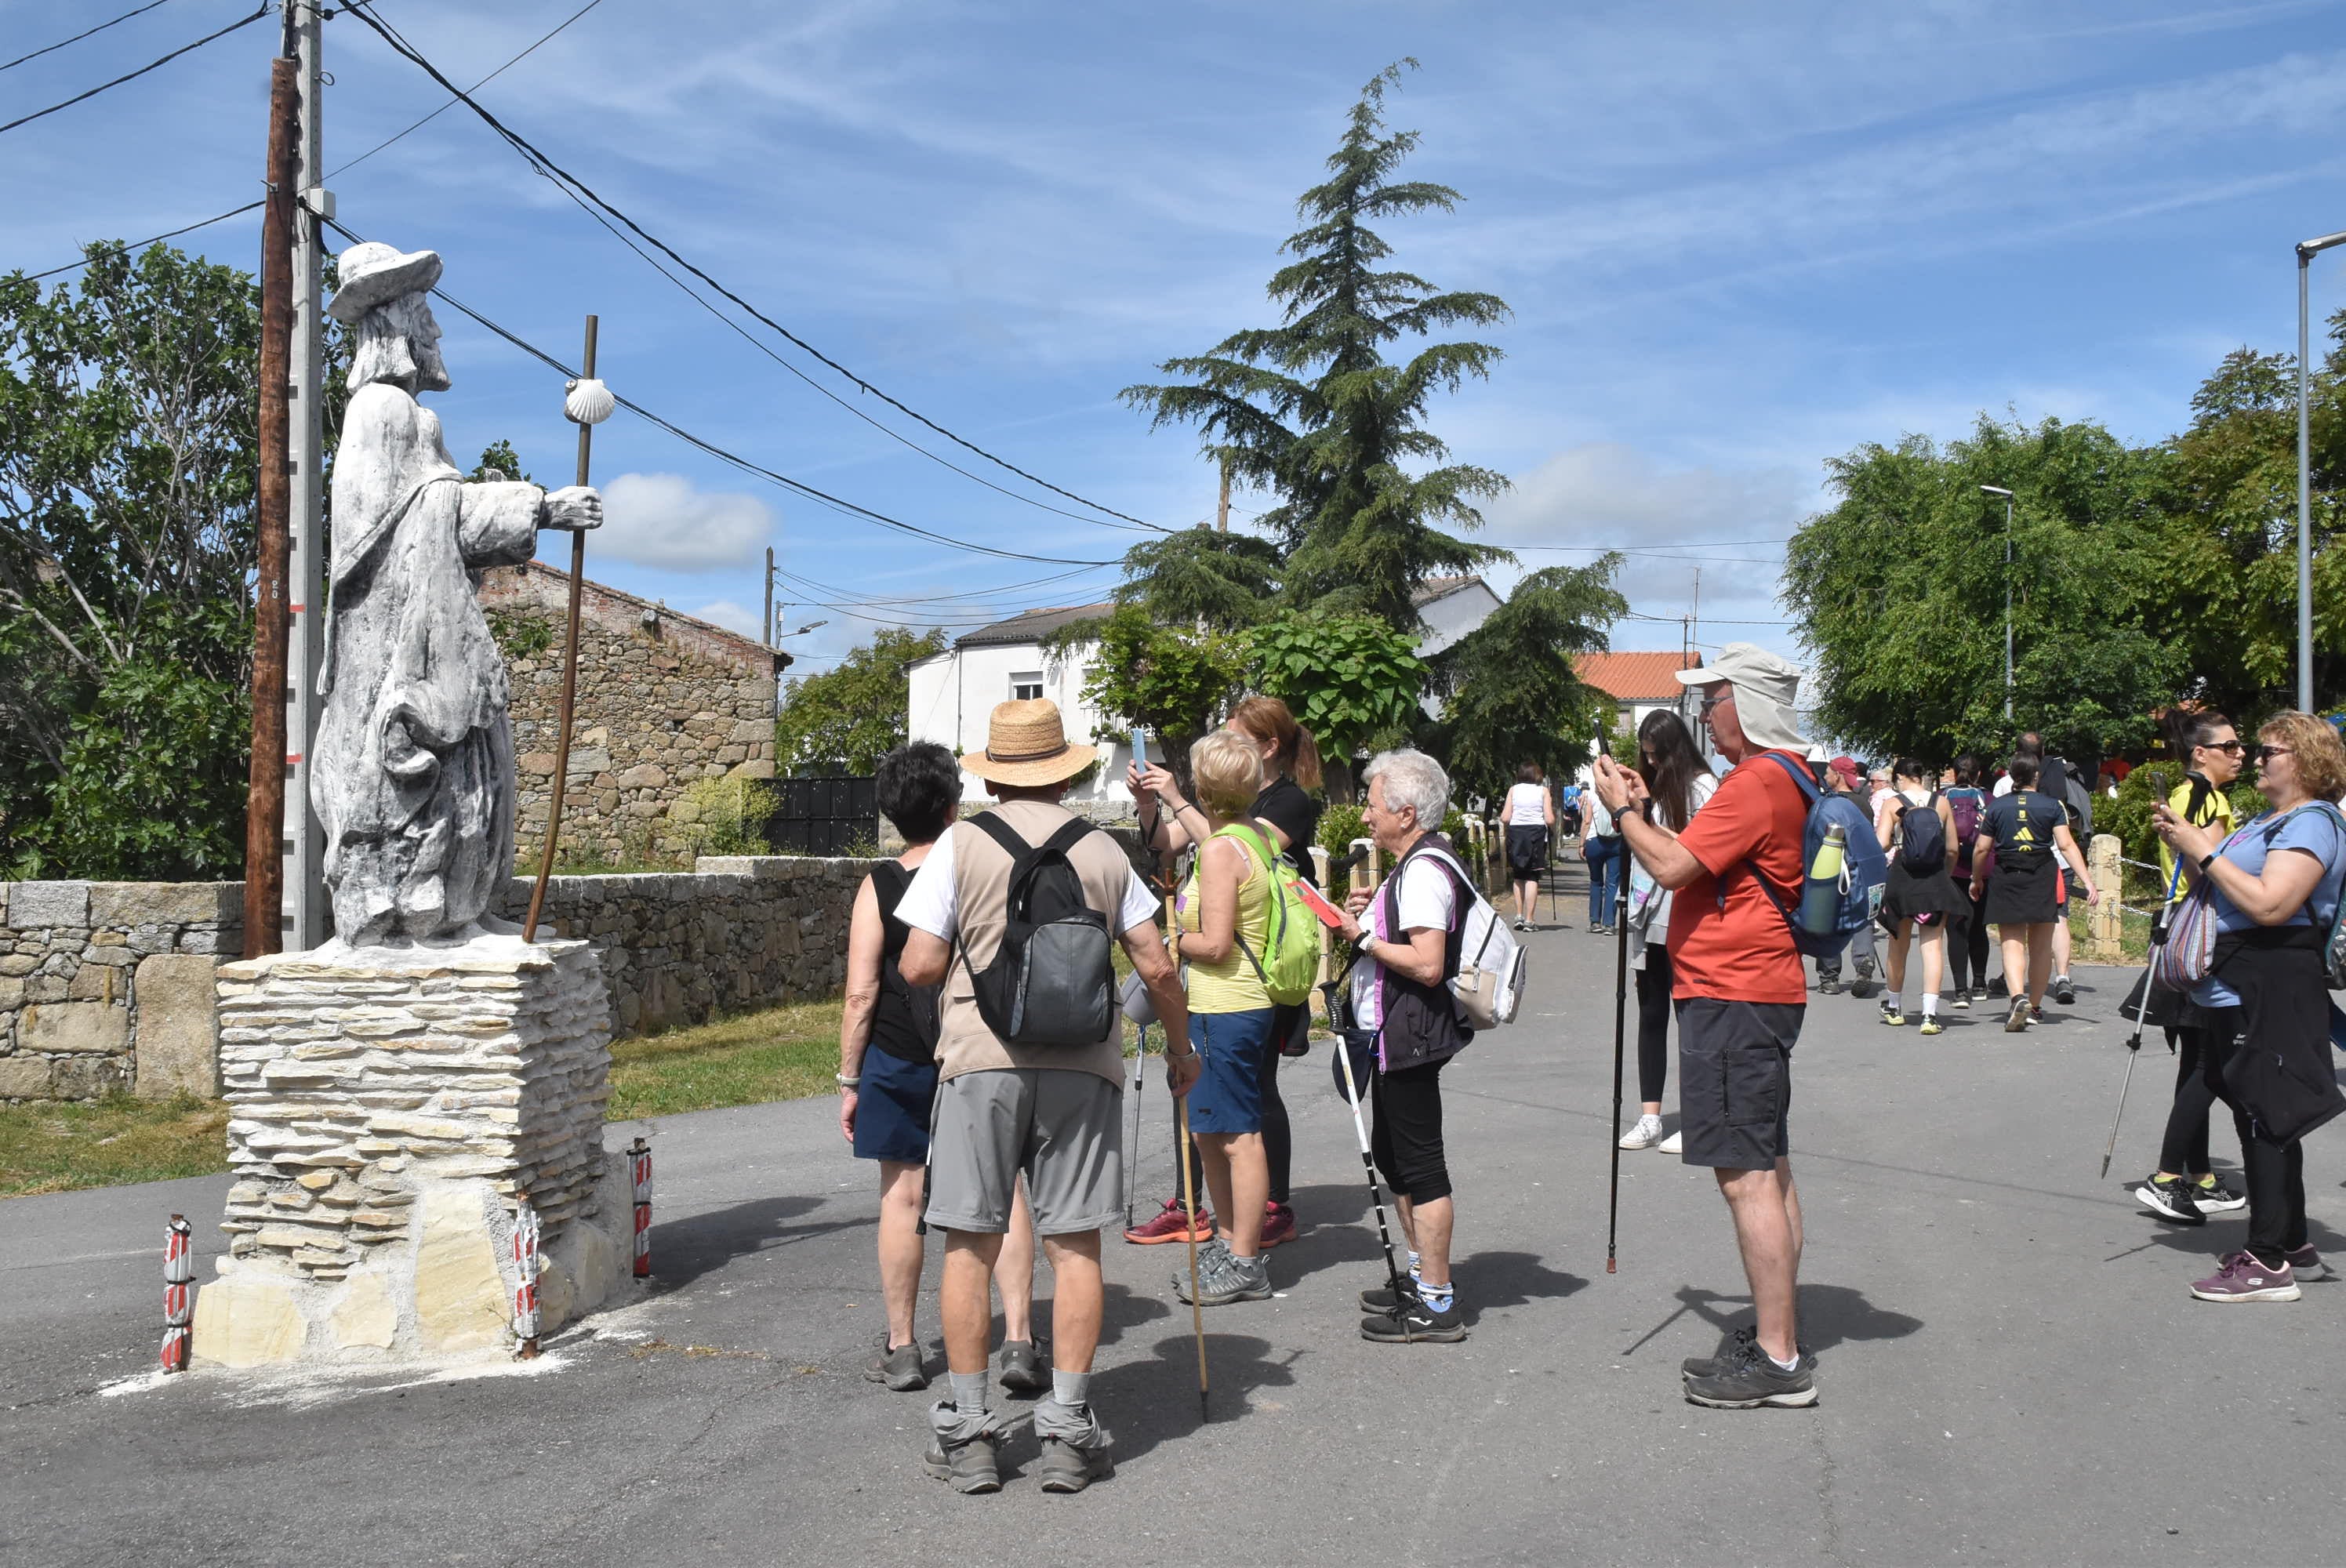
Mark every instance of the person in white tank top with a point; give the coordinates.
(1530, 822)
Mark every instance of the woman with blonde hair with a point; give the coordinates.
(1223, 919)
(1290, 818)
(2275, 884)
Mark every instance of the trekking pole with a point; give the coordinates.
(1189, 1202)
(1367, 1161)
(2142, 1010)
(1132, 1166)
(1620, 1026)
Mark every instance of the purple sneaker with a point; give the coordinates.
(2239, 1276)
(2306, 1258)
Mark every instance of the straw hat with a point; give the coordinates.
(1027, 745)
(372, 273)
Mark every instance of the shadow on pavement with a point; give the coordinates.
(1487, 1280)
(1829, 1314)
(1151, 1401)
(685, 1249)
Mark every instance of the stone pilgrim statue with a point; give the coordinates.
(413, 766)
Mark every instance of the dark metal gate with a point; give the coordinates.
(824, 816)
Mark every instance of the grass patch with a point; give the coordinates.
(781, 1054)
(109, 1143)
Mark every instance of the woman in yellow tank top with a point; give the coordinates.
(1224, 914)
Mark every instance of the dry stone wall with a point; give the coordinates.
(107, 987)
(663, 699)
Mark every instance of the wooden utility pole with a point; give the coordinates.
(1222, 508)
(264, 809)
(770, 595)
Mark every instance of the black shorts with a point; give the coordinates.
(1735, 1081)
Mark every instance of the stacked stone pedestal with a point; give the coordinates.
(389, 1109)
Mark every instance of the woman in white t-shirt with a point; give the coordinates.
(1530, 817)
(1679, 781)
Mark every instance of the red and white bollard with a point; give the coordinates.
(178, 1291)
(524, 1260)
(639, 1166)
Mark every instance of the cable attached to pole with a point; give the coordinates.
(134, 75)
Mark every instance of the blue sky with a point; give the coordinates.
(1738, 240)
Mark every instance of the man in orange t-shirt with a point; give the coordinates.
(1741, 994)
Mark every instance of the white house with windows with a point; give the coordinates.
(953, 693)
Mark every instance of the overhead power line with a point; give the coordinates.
(797, 487)
(475, 87)
(77, 37)
(154, 240)
(390, 36)
(134, 75)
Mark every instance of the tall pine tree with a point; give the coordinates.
(1311, 410)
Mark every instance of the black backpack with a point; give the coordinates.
(1922, 837)
(1051, 980)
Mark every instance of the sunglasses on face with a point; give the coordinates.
(2229, 747)
(2266, 753)
(1710, 702)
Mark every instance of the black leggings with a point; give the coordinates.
(2274, 1170)
(1967, 946)
(1406, 1139)
(2184, 1149)
(1277, 1142)
(1654, 1023)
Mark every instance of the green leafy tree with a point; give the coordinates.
(1899, 592)
(1173, 679)
(128, 452)
(500, 460)
(848, 717)
(1311, 410)
(1221, 581)
(1349, 678)
(1511, 693)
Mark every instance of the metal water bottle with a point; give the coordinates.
(1820, 894)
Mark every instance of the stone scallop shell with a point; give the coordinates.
(589, 402)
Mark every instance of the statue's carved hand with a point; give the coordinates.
(575, 507)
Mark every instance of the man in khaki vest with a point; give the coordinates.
(1050, 1113)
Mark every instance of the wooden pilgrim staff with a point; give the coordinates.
(586, 402)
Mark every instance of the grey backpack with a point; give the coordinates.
(1051, 980)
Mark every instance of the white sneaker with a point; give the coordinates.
(1674, 1144)
(1645, 1135)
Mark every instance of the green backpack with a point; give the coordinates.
(1289, 961)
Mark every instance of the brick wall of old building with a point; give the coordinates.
(663, 699)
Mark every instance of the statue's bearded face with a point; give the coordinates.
(399, 341)
(423, 347)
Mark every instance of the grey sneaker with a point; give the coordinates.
(1729, 1348)
(1064, 1467)
(1227, 1278)
(1750, 1380)
(973, 1466)
(1023, 1371)
(898, 1367)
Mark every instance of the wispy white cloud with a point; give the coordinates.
(733, 618)
(664, 521)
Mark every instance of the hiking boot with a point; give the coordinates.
(2240, 1278)
(1023, 1371)
(1828, 985)
(2014, 1021)
(2170, 1198)
(1963, 1000)
(2214, 1198)
(1278, 1224)
(1171, 1224)
(1412, 1320)
(1064, 1467)
(973, 1467)
(1892, 1013)
(1729, 1348)
(1384, 1298)
(1645, 1135)
(898, 1367)
(2064, 991)
(1227, 1278)
(1749, 1379)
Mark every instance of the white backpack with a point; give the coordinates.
(1489, 985)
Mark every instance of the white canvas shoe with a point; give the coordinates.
(1645, 1135)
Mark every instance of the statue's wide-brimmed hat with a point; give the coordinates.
(1027, 745)
(373, 273)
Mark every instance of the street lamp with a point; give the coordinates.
(2307, 249)
(2000, 490)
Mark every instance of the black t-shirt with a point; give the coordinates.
(1295, 814)
(2022, 825)
(904, 1016)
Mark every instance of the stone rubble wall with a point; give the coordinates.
(659, 706)
(108, 986)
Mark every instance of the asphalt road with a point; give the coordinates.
(2012, 1370)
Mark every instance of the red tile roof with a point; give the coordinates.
(1635, 677)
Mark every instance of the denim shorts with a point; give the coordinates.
(1228, 1094)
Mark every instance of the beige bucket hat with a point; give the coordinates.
(1027, 745)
